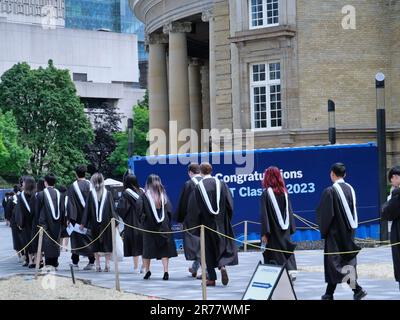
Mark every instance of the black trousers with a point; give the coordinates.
(212, 275)
(331, 287)
(51, 262)
(75, 258)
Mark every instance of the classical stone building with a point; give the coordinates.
(270, 66)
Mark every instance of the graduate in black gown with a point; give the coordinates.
(7, 212)
(24, 215)
(4, 204)
(64, 237)
(15, 231)
(217, 215)
(129, 208)
(337, 219)
(191, 239)
(99, 211)
(52, 218)
(156, 216)
(391, 212)
(36, 215)
(78, 193)
(277, 221)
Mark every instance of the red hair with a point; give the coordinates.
(273, 179)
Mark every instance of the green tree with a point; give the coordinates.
(106, 122)
(13, 157)
(140, 129)
(49, 115)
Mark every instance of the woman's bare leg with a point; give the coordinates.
(165, 264)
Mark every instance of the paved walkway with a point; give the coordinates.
(309, 285)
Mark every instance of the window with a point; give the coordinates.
(263, 13)
(79, 77)
(265, 90)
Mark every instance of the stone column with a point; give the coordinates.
(158, 86)
(207, 16)
(205, 94)
(196, 118)
(179, 103)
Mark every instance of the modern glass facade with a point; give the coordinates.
(112, 15)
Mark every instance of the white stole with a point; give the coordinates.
(205, 195)
(388, 199)
(132, 193)
(195, 181)
(99, 212)
(79, 193)
(352, 221)
(283, 224)
(25, 202)
(66, 203)
(153, 206)
(50, 201)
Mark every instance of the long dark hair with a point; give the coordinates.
(131, 182)
(29, 185)
(273, 179)
(40, 185)
(156, 188)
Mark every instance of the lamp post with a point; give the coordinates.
(332, 125)
(130, 139)
(381, 141)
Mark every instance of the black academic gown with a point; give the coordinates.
(391, 212)
(157, 246)
(130, 210)
(7, 211)
(220, 251)
(35, 209)
(51, 226)
(278, 239)
(4, 204)
(191, 239)
(89, 220)
(15, 232)
(338, 235)
(24, 218)
(75, 212)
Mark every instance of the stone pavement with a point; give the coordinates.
(309, 285)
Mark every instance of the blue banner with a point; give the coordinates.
(306, 171)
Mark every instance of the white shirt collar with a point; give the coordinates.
(341, 180)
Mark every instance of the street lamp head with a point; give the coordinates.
(379, 80)
(331, 106)
(130, 123)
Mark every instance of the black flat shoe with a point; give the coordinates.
(166, 276)
(360, 295)
(147, 275)
(32, 266)
(327, 297)
(25, 264)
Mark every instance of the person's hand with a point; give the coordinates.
(81, 227)
(264, 239)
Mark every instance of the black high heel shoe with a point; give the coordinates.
(166, 276)
(147, 275)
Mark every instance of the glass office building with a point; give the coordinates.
(111, 15)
